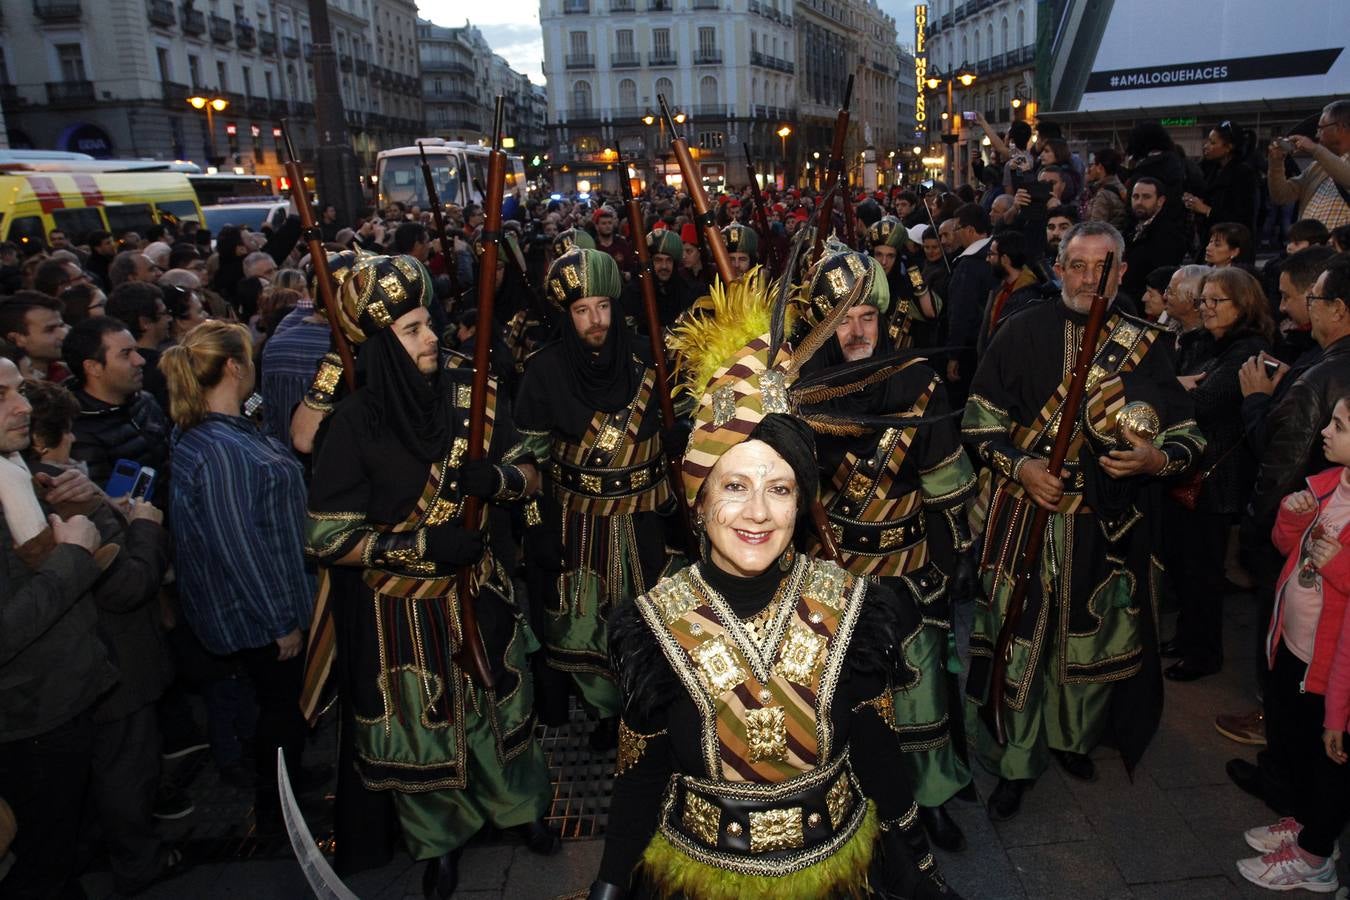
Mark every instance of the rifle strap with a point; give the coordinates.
(490, 237)
(705, 219)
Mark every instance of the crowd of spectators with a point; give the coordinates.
(150, 351)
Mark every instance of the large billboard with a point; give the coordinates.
(1140, 54)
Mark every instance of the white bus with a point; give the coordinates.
(458, 169)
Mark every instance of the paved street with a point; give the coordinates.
(1174, 833)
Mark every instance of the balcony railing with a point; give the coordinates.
(658, 5)
(194, 21)
(576, 7)
(290, 46)
(57, 10)
(580, 60)
(175, 95)
(769, 112)
(705, 111)
(246, 37)
(622, 6)
(222, 30)
(706, 4)
(625, 60)
(161, 13)
(707, 57)
(267, 42)
(764, 61)
(260, 107)
(362, 66)
(70, 93)
(583, 117)
(346, 63)
(662, 58)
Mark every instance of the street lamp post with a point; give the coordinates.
(782, 142)
(966, 76)
(660, 122)
(211, 105)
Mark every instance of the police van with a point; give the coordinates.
(458, 169)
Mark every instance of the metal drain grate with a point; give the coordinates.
(582, 778)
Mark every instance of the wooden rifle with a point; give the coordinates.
(447, 241)
(472, 655)
(318, 258)
(835, 175)
(706, 219)
(1027, 562)
(654, 332)
(761, 217)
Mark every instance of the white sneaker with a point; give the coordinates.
(1268, 838)
(1285, 870)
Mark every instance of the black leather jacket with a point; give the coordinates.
(1293, 450)
(137, 430)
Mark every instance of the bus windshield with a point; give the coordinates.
(401, 180)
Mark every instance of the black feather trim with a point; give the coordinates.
(646, 680)
(884, 626)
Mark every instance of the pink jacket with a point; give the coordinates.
(1329, 671)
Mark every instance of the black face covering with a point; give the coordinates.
(792, 439)
(409, 404)
(604, 381)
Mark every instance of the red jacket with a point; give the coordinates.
(1329, 671)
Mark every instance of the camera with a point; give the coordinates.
(1285, 144)
(969, 116)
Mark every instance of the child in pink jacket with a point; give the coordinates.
(1308, 700)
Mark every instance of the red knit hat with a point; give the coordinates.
(600, 213)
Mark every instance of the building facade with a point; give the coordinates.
(113, 78)
(728, 68)
(461, 79)
(996, 40)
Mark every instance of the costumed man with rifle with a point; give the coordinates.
(895, 492)
(911, 300)
(586, 410)
(451, 747)
(742, 247)
(674, 292)
(1080, 435)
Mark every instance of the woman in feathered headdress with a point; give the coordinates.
(756, 750)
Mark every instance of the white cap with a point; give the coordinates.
(916, 233)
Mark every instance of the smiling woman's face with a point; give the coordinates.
(749, 508)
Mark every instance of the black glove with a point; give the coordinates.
(674, 441)
(452, 545)
(964, 581)
(479, 478)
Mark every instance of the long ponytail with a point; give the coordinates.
(197, 363)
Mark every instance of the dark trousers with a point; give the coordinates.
(1196, 542)
(122, 793)
(1321, 788)
(276, 684)
(44, 779)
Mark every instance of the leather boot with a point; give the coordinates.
(1006, 800)
(910, 869)
(441, 876)
(539, 838)
(942, 829)
(1079, 765)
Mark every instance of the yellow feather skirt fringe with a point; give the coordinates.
(843, 874)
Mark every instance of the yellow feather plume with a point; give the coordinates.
(719, 325)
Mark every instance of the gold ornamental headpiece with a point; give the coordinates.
(377, 291)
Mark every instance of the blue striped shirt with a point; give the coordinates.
(238, 514)
(289, 359)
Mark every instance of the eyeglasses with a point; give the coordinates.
(1210, 301)
(1309, 298)
(1322, 126)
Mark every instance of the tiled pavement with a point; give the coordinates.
(1174, 832)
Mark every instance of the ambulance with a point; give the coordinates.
(32, 204)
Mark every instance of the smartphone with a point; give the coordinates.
(123, 477)
(969, 116)
(1285, 144)
(1039, 191)
(144, 483)
(1272, 366)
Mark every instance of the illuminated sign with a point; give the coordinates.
(920, 65)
